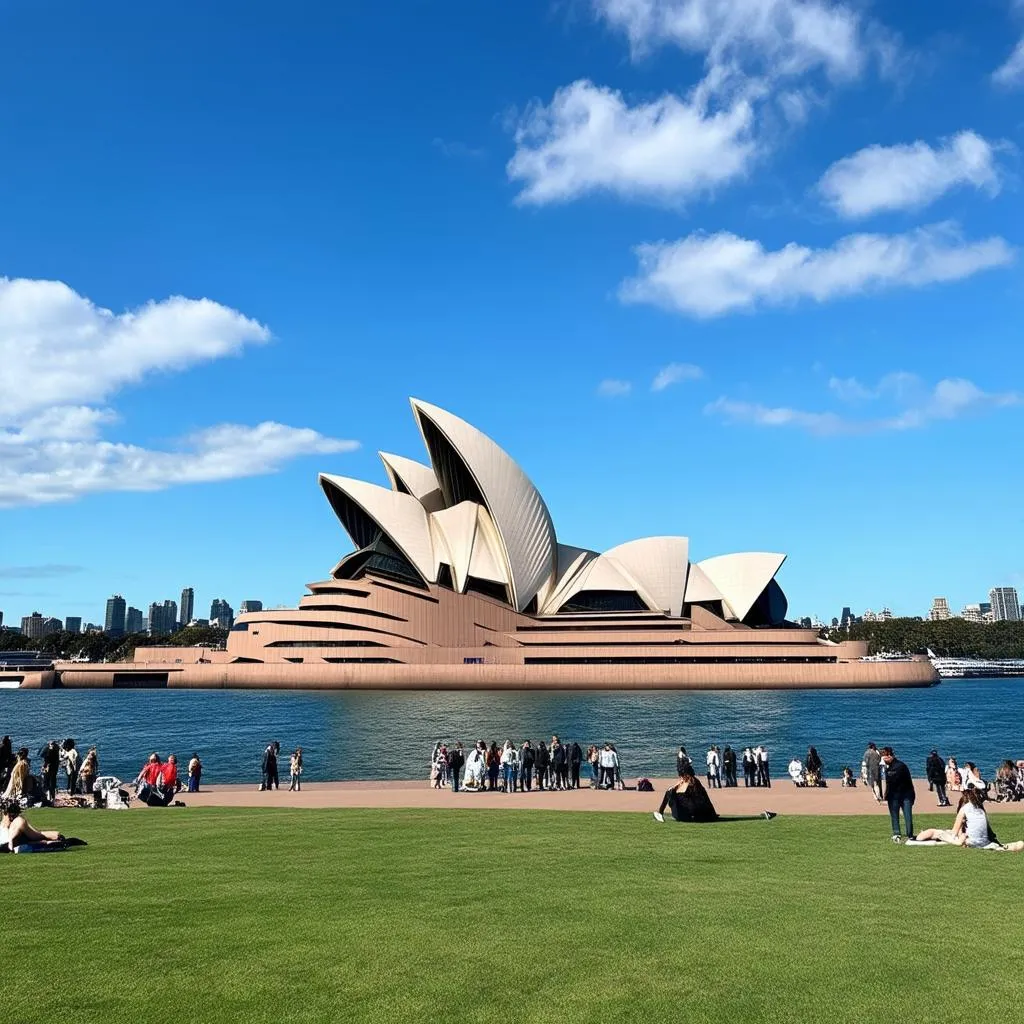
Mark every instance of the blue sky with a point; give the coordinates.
(800, 218)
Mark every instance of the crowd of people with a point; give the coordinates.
(721, 766)
(524, 767)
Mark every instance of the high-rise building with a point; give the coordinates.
(847, 618)
(939, 610)
(52, 625)
(133, 620)
(222, 615)
(73, 624)
(114, 621)
(1005, 604)
(251, 606)
(163, 618)
(32, 625)
(1, 618)
(188, 597)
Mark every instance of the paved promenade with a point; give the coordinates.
(782, 797)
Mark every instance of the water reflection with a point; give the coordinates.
(389, 735)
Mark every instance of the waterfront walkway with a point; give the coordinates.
(783, 797)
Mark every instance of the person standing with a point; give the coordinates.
(6, 761)
(269, 767)
(899, 793)
(493, 764)
(748, 767)
(873, 771)
(88, 772)
(456, 762)
(935, 769)
(71, 765)
(195, 772)
(763, 767)
(729, 763)
(543, 760)
(295, 771)
(561, 773)
(712, 766)
(607, 761)
(527, 760)
(575, 760)
(51, 765)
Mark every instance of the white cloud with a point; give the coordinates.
(63, 358)
(909, 176)
(915, 406)
(614, 388)
(1010, 73)
(674, 373)
(588, 139)
(708, 275)
(768, 37)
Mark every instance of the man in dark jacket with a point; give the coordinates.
(543, 760)
(269, 766)
(899, 793)
(527, 760)
(575, 760)
(558, 768)
(935, 770)
(456, 762)
(51, 764)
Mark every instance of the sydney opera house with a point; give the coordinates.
(459, 580)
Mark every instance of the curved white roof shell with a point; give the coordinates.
(365, 508)
(415, 478)
(487, 561)
(659, 565)
(454, 530)
(741, 577)
(570, 561)
(700, 588)
(521, 519)
(603, 573)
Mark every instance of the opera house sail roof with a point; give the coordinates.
(458, 580)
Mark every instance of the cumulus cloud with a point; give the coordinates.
(913, 404)
(674, 373)
(588, 139)
(908, 176)
(709, 275)
(768, 37)
(1010, 74)
(63, 358)
(614, 388)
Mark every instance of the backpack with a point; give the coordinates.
(644, 786)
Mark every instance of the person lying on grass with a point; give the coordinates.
(16, 831)
(688, 800)
(970, 827)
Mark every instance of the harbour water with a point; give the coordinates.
(389, 735)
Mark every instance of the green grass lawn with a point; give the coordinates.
(289, 915)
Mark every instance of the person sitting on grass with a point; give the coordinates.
(17, 784)
(688, 800)
(16, 831)
(970, 827)
(848, 780)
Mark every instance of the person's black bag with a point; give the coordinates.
(644, 786)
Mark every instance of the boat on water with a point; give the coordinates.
(976, 668)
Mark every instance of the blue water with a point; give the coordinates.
(378, 735)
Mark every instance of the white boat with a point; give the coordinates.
(976, 668)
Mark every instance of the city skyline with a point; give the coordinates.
(771, 277)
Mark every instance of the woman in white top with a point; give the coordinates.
(796, 772)
(970, 828)
(509, 766)
(972, 777)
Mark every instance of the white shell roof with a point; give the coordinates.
(417, 479)
(741, 577)
(487, 561)
(401, 518)
(603, 573)
(570, 561)
(455, 529)
(521, 519)
(659, 565)
(700, 588)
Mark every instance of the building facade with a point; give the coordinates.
(188, 597)
(1005, 604)
(250, 606)
(133, 620)
(113, 622)
(73, 624)
(222, 615)
(939, 610)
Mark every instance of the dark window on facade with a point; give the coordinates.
(139, 680)
(240, 627)
(604, 601)
(364, 661)
(382, 559)
(487, 588)
(352, 611)
(724, 660)
(444, 577)
(326, 643)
